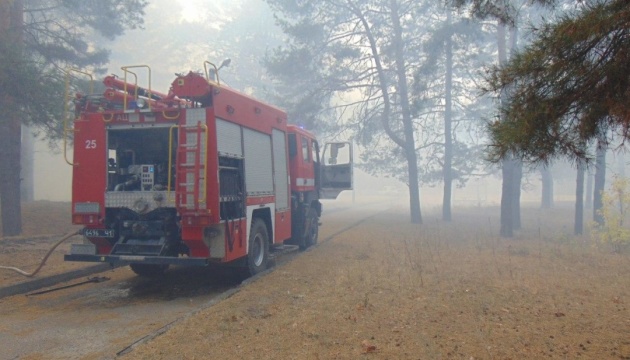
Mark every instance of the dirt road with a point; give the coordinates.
(99, 320)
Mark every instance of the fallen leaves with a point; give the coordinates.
(368, 347)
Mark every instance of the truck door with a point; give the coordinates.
(336, 169)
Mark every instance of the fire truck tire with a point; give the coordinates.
(312, 233)
(149, 270)
(258, 254)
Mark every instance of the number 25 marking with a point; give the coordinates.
(90, 144)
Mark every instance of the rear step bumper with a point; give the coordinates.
(163, 260)
(138, 259)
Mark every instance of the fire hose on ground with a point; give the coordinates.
(31, 274)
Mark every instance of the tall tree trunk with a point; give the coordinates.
(507, 166)
(448, 132)
(512, 167)
(578, 227)
(518, 164)
(11, 14)
(516, 193)
(600, 181)
(547, 187)
(410, 143)
(10, 204)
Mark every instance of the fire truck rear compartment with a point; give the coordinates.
(139, 204)
(136, 201)
(138, 159)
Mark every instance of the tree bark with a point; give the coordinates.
(600, 182)
(448, 132)
(578, 227)
(547, 188)
(517, 169)
(10, 204)
(11, 22)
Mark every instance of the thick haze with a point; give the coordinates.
(180, 35)
(177, 38)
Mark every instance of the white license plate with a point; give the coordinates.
(103, 233)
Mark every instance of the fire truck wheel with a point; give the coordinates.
(313, 230)
(258, 254)
(149, 270)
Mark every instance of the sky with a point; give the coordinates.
(192, 10)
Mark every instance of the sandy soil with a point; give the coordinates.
(43, 224)
(391, 290)
(45, 218)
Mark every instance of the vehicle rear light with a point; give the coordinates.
(196, 220)
(84, 219)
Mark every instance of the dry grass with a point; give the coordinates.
(43, 224)
(388, 289)
(45, 218)
(392, 290)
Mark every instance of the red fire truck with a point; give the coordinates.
(202, 174)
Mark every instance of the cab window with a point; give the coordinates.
(315, 151)
(292, 145)
(306, 153)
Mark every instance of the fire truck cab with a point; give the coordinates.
(202, 174)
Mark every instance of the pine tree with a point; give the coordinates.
(359, 49)
(38, 39)
(569, 87)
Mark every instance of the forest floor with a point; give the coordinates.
(388, 289)
(43, 224)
